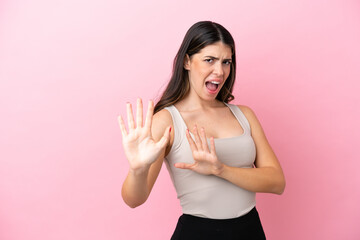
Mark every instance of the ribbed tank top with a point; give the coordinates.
(207, 195)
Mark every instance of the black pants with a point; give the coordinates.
(247, 227)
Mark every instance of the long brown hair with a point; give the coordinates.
(197, 37)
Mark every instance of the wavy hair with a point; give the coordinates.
(200, 35)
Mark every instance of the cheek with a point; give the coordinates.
(227, 72)
(198, 69)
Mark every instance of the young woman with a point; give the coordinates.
(217, 154)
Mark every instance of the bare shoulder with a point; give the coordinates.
(256, 128)
(161, 120)
(248, 112)
(252, 119)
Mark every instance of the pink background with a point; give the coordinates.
(67, 68)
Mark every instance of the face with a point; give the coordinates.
(208, 70)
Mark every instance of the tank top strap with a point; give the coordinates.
(179, 126)
(240, 116)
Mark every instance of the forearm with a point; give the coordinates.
(264, 179)
(135, 189)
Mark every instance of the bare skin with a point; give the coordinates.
(144, 150)
(146, 145)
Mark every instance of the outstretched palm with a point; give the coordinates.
(205, 159)
(140, 148)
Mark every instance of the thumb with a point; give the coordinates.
(183, 165)
(164, 139)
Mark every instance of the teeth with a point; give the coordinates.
(213, 82)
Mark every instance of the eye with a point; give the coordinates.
(227, 62)
(209, 60)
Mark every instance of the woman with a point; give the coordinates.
(217, 154)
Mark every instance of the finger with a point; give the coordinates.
(130, 117)
(191, 141)
(197, 138)
(149, 115)
(139, 113)
(183, 165)
(122, 126)
(163, 142)
(212, 146)
(204, 140)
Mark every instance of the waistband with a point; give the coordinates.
(251, 214)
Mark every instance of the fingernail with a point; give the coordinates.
(170, 129)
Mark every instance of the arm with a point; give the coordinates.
(145, 147)
(266, 177)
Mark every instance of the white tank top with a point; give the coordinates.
(207, 195)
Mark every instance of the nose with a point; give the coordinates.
(218, 69)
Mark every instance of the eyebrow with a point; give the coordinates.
(228, 59)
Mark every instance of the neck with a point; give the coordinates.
(192, 102)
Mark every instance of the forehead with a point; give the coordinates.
(217, 49)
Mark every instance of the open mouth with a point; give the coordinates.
(212, 85)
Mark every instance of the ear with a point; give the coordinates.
(187, 62)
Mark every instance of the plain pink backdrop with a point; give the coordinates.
(67, 68)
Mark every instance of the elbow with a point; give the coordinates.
(280, 187)
(279, 184)
(280, 191)
(132, 203)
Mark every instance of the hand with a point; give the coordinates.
(206, 161)
(140, 148)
